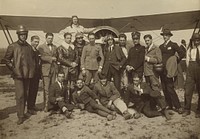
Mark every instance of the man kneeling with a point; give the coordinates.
(85, 98)
(58, 97)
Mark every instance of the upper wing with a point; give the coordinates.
(174, 21)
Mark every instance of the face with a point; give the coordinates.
(22, 37)
(91, 38)
(60, 77)
(49, 39)
(75, 20)
(166, 37)
(196, 42)
(136, 81)
(110, 42)
(68, 39)
(103, 81)
(35, 42)
(122, 41)
(79, 84)
(79, 40)
(148, 41)
(136, 41)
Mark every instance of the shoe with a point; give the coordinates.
(127, 115)
(109, 117)
(20, 121)
(32, 112)
(68, 114)
(180, 110)
(137, 115)
(186, 113)
(36, 109)
(167, 115)
(197, 115)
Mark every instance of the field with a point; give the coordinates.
(89, 126)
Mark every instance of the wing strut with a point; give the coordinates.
(3, 28)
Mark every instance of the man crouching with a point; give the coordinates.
(58, 97)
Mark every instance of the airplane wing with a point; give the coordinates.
(174, 21)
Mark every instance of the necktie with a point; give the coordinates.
(197, 56)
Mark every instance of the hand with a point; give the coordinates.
(98, 102)
(128, 68)
(147, 58)
(99, 70)
(110, 103)
(60, 99)
(54, 58)
(83, 72)
(73, 64)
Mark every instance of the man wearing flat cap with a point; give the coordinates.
(193, 74)
(20, 60)
(168, 50)
(135, 60)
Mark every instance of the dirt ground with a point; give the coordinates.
(90, 126)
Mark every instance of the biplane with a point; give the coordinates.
(189, 19)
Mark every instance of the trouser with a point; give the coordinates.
(179, 79)
(91, 74)
(21, 92)
(153, 82)
(124, 80)
(93, 107)
(192, 78)
(120, 105)
(168, 89)
(46, 85)
(116, 74)
(33, 89)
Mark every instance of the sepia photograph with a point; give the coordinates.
(99, 69)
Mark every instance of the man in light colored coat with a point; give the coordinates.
(49, 66)
(152, 56)
(92, 60)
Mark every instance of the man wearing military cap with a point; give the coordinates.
(135, 60)
(168, 49)
(193, 74)
(19, 59)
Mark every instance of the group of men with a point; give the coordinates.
(102, 79)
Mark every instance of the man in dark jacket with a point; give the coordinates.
(58, 97)
(34, 82)
(168, 49)
(135, 60)
(20, 60)
(114, 61)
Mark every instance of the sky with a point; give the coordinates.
(96, 9)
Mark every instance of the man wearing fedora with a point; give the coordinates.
(193, 74)
(168, 49)
(20, 59)
(135, 60)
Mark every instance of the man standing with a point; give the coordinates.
(193, 74)
(20, 60)
(49, 65)
(34, 82)
(122, 44)
(68, 58)
(135, 61)
(168, 49)
(152, 56)
(114, 60)
(92, 60)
